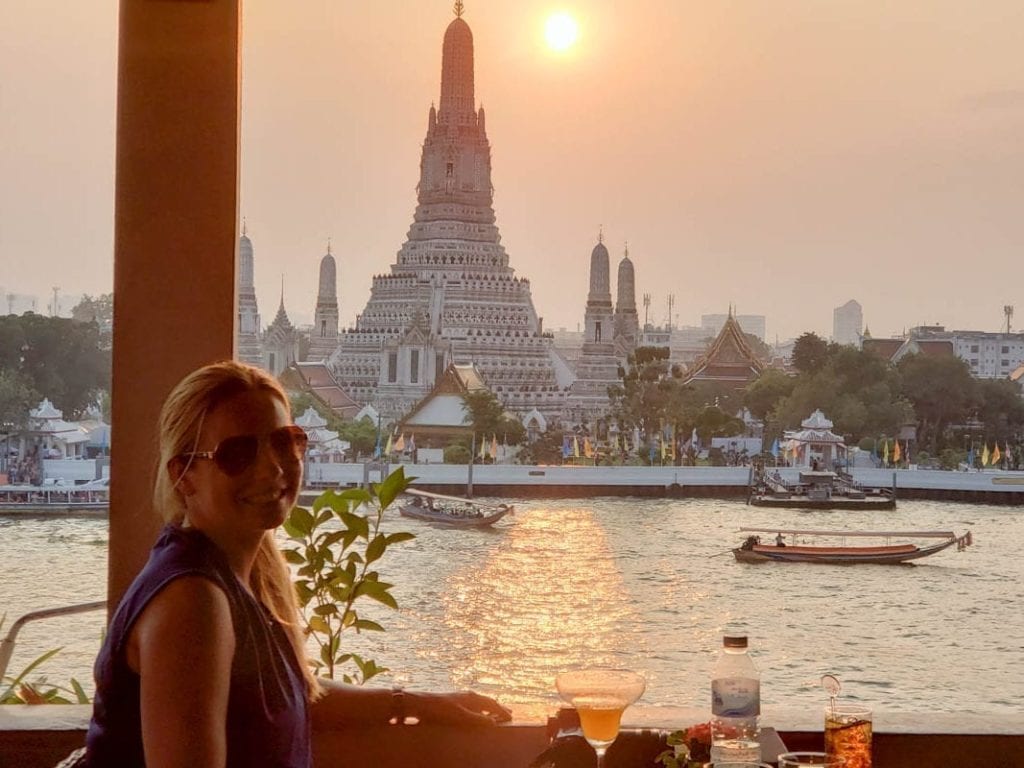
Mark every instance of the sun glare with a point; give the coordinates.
(561, 31)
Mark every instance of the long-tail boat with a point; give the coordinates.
(803, 546)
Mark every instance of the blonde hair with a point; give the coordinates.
(181, 420)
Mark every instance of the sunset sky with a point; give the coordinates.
(784, 156)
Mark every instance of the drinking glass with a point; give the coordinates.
(848, 734)
(600, 696)
(820, 759)
(734, 764)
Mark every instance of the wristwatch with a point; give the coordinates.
(397, 706)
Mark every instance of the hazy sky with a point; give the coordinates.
(781, 155)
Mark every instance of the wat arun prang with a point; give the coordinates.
(451, 296)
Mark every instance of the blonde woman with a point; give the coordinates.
(203, 664)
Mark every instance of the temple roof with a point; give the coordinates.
(730, 358)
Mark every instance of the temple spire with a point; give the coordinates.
(600, 233)
(459, 8)
(328, 246)
(245, 227)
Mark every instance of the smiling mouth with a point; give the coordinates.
(268, 497)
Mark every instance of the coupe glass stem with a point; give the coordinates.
(600, 755)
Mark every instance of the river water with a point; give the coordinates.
(636, 583)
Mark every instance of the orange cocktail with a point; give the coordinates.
(600, 696)
(600, 716)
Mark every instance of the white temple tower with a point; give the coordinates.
(323, 337)
(627, 321)
(248, 329)
(598, 367)
(451, 295)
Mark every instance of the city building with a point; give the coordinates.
(847, 323)
(452, 295)
(323, 336)
(752, 324)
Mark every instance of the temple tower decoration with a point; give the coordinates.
(280, 342)
(323, 337)
(729, 360)
(248, 329)
(597, 367)
(451, 296)
(627, 321)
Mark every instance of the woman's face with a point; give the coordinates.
(259, 497)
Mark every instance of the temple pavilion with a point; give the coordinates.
(729, 360)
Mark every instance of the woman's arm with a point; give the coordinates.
(343, 704)
(182, 647)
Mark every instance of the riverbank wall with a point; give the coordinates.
(527, 482)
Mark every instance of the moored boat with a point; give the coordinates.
(817, 489)
(840, 553)
(87, 499)
(452, 511)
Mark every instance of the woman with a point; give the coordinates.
(203, 663)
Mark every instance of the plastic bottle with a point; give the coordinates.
(735, 703)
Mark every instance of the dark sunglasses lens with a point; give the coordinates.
(236, 454)
(289, 442)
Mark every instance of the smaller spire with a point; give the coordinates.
(459, 8)
(626, 249)
(328, 246)
(282, 291)
(245, 227)
(600, 233)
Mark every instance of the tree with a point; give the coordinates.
(762, 350)
(1000, 409)
(942, 392)
(810, 353)
(762, 395)
(99, 310)
(488, 418)
(58, 358)
(16, 399)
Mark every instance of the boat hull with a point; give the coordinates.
(452, 521)
(837, 555)
(836, 502)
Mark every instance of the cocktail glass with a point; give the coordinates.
(819, 759)
(848, 734)
(600, 696)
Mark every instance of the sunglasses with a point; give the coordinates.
(234, 455)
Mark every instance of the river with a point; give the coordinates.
(637, 583)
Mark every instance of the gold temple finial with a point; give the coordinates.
(328, 246)
(459, 8)
(244, 226)
(627, 249)
(600, 233)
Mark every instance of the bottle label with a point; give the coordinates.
(736, 697)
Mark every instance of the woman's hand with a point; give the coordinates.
(459, 708)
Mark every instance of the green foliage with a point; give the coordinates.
(17, 689)
(942, 392)
(16, 399)
(456, 453)
(810, 353)
(335, 549)
(546, 449)
(764, 393)
(762, 350)
(57, 358)
(98, 310)
(488, 418)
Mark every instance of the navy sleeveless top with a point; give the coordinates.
(267, 719)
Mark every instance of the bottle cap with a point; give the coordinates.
(734, 641)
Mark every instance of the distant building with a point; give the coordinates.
(848, 323)
(752, 324)
(17, 303)
(249, 330)
(989, 355)
(323, 336)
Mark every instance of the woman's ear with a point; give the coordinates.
(178, 469)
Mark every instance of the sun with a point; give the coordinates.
(561, 31)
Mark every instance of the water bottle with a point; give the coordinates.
(735, 704)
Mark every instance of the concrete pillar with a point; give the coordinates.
(175, 235)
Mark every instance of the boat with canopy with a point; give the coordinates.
(803, 546)
(452, 511)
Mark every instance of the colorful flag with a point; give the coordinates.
(885, 453)
(896, 452)
(566, 447)
(387, 448)
(970, 457)
(412, 443)
(575, 447)
(588, 451)
(661, 439)
(494, 446)
(996, 455)
(1007, 454)
(775, 447)
(483, 447)
(400, 443)
(693, 438)
(984, 456)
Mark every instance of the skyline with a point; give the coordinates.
(782, 165)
